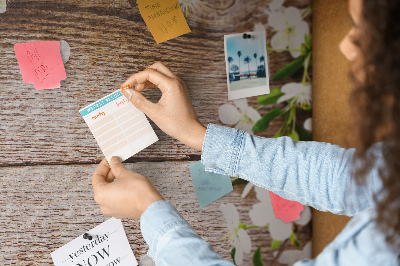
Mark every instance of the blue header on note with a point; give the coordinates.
(101, 103)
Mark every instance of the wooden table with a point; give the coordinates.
(47, 153)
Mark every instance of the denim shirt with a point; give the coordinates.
(312, 173)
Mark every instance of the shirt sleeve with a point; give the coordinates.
(172, 241)
(313, 173)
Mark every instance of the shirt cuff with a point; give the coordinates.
(157, 220)
(222, 148)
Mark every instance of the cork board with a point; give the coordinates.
(331, 90)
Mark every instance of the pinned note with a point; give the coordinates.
(118, 126)
(3, 6)
(41, 64)
(209, 186)
(164, 18)
(108, 246)
(284, 209)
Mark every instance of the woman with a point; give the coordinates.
(320, 175)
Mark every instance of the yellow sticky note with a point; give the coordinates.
(164, 18)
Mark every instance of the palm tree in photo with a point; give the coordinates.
(255, 58)
(262, 59)
(247, 60)
(239, 55)
(230, 60)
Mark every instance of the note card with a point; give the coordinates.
(284, 209)
(108, 247)
(209, 186)
(118, 126)
(41, 64)
(3, 6)
(164, 18)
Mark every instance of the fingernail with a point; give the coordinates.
(128, 93)
(115, 160)
(125, 88)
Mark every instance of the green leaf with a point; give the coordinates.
(263, 123)
(293, 239)
(271, 98)
(294, 135)
(297, 243)
(303, 134)
(289, 69)
(275, 244)
(242, 225)
(257, 258)
(278, 134)
(238, 180)
(233, 251)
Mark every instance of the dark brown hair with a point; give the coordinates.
(376, 105)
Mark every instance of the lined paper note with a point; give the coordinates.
(41, 64)
(209, 186)
(164, 18)
(118, 126)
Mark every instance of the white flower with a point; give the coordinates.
(262, 214)
(243, 119)
(276, 5)
(301, 93)
(289, 257)
(188, 6)
(290, 29)
(308, 124)
(238, 237)
(259, 27)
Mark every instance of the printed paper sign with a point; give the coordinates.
(164, 18)
(41, 64)
(3, 6)
(209, 186)
(284, 209)
(118, 126)
(108, 247)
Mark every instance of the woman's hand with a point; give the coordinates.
(127, 197)
(174, 113)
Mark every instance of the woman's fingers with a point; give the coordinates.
(160, 67)
(149, 75)
(100, 175)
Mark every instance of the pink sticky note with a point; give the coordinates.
(41, 64)
(284, 209)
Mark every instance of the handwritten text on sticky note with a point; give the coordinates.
(164, 18)
(41, 64)
(284, 209)
(209, 186)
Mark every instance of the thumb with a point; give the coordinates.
(117, 168)
(138, 100)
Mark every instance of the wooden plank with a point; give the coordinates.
(45, 207)
(109, 41)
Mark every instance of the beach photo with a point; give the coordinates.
(246, 64)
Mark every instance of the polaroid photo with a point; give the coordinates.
(246, 64)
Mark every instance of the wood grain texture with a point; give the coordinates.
(109, 41)
(331, 89)
(45, 207)
(47, 151)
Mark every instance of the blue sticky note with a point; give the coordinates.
(209, 186)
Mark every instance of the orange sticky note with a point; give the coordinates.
(164, 18)
(284, 209)
(41, 64)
